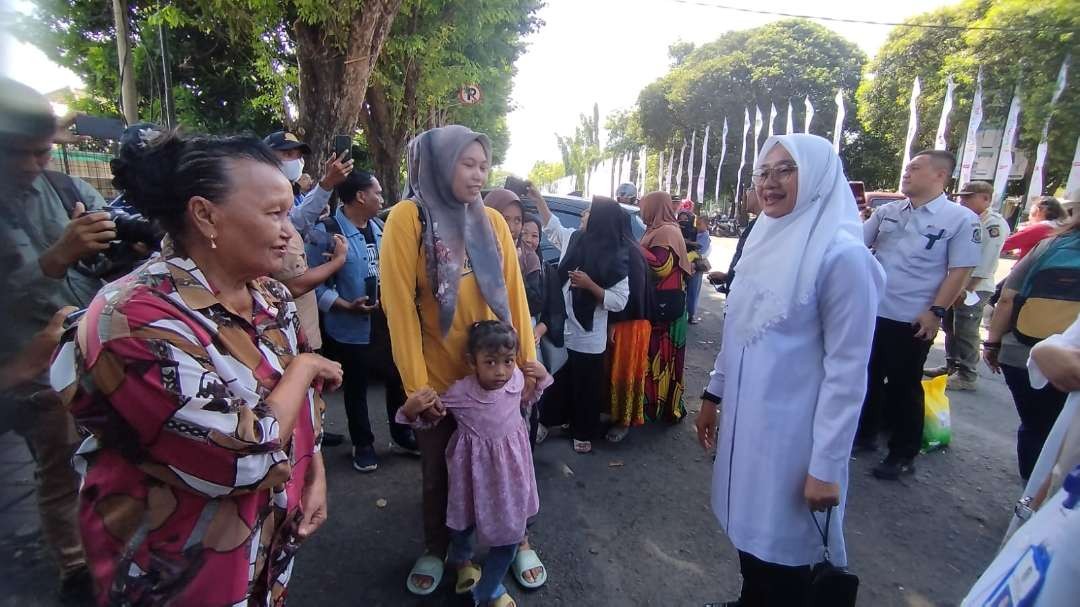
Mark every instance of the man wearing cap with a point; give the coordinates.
(626, 193)
(49, 222)
(962, 321)
(306, 211)
(928, 247)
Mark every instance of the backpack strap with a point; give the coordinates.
(65, 188)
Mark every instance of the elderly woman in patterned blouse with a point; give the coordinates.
(201, 469)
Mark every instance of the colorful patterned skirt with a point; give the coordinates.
(628, 359)
(664, 379)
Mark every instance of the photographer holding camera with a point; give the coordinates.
(41, 242)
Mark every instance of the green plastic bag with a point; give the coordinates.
(937, 426)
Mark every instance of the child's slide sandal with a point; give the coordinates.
(524, 561)
(467, 579)
(427, 566)
(504, 600)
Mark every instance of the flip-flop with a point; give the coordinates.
(524, 561)
(467, 579)
(617, 434)
(428, 566)
(504, 600)
(582, 446)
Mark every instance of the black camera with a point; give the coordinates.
(136, 239)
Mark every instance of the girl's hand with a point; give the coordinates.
(421, 403)
(821, 495)
(534, 370)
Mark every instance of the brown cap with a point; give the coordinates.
(976, 187)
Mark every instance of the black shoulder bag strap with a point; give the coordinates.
(65, 189)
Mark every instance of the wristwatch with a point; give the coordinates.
(938, 311)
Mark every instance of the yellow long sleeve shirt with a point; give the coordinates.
(423, 356)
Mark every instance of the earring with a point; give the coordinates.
(213, 245)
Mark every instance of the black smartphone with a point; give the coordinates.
(516, 185)
(342, 145)
(71, 319)
(98, 127)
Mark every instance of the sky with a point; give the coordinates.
(602, 51)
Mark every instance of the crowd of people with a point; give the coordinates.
(195, 380)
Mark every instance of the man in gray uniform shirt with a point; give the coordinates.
(928, 246)
(962, 323)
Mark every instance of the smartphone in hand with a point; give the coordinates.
(516, 185)
(342, 146)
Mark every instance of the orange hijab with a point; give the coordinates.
(663, 229)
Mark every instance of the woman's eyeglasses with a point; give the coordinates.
(782, 173)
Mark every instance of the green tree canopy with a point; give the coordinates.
(1027, 48)
(788, 59)
(544, 174)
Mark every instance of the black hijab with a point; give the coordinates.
(640, 302)
(601, 251)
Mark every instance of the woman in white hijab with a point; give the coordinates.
(791, 372)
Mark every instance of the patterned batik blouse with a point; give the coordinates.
(190, 495)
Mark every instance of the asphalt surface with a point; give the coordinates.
(630, 523)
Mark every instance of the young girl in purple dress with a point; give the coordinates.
(492, 486)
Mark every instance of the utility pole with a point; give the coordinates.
(129, 97)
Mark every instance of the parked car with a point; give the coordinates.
(569, 210)
(877, 199)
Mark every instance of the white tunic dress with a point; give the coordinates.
(791, 403)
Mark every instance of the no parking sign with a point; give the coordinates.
(470, 94)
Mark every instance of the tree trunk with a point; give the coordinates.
(386, 139)
(335, 63)
(129, 96)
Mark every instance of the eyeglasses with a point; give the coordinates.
(782, 174)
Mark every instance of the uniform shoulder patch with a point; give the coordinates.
(994, 231)
(976, 235)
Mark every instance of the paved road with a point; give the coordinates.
(630, 524)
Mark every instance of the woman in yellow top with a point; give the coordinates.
(447, 262)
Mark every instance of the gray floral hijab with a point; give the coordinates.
(452, 227)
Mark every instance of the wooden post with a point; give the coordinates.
(129, 96)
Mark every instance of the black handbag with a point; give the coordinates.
(830, 586)
(668, 305)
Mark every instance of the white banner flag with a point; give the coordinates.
(643, 170)
(942, 127)
(742, 154)
(720, 165)
(912, 127)
(839, 127)
(704, 165)
(670, 173)
(678, 172)
(1072, 186)
(772, 118)
(757, 131)
(790, 129)
(971, 140)
(1005, 156)
(1036, 186)
(690, 168)
(809, 114)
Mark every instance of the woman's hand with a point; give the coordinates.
(821, 495)
(706, 425)
(327, 374)
(313, 499)
(539, 331)
(423, 403)
(581, 280)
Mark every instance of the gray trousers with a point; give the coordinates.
(962, 342)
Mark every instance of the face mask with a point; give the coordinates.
(293, 168)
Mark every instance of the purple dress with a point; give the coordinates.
(489, 458)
